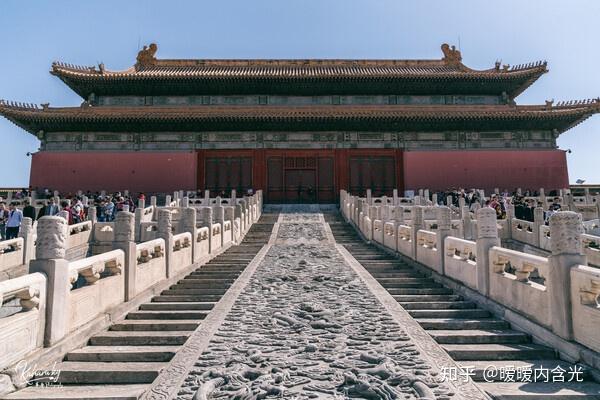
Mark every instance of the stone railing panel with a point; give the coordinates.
(21, 331)
(227, 233)
(216, 242)
(151, 264)
(512, 283)
(404, 236)
(202, 241)
(460, 260)
(104, 232)
(11, 254)
(378, 231)
(389, 236)
(585, 302)
(523, 231)
(148, 231)
(79, 234)
(426, 249)
(99, 284)
(591, 248)
(182, 251)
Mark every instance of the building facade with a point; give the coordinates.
(300, 130)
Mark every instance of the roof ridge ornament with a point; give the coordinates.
(146, 56)
(451, 55)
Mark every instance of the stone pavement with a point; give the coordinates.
(306, 325)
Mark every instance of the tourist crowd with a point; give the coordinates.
(71, 206)
(524, 203)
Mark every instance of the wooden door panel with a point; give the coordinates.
(275, 187)
(375, 173)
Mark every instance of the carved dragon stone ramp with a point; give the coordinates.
(308, 324)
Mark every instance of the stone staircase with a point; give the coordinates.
(472, 336)
(123, 361)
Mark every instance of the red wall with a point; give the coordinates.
(168, 171)
(503, 169)
(134, 171)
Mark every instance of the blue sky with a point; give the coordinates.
(34, 33)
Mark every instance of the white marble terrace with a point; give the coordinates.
(129, 257)
(558, 293)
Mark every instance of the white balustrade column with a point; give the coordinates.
(50, 260)
(487, 237)
(538, 220)
(188, 224)
(124, 239)
(205, 219)
(417, 224)
(444, 221)
(165, 231)
(26, 232)
(566, 228)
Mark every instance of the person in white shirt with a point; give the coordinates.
(15, 216)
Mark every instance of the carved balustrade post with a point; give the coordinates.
(124, 239)
(188, 224)
(543, 196)
(417, 224)
(92, 214)
(369, 197)
(229, 215)
(566, 228)
(168, 200)
(238, 217)
(219, 218)
(52, 232)
(487, 237)
(538, 220)
(26, 232)
(165, 232)
(466, 223)
(205, 219)
(444, 222)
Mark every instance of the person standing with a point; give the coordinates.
(15, 216)
(29, 211)
(3, 219)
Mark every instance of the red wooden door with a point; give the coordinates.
(300, 177)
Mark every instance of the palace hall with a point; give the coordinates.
(300, 130)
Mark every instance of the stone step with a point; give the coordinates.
(542, 390)
(458, 314)
(496, 371)
(214, 275)
(156, 325)
(406, 279)
(428, 298)
(411, 283)
(185, 292)
(75, 372)
(212, 298)
(453, 323)
(90, 392)
(476, 336)
(397, 274)
(437, 305)
(168, 314)
(416, 291)
(184, 305)
(123, 354)
(135, 338)
(492, 352)
(199, 285)
(194, 279)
